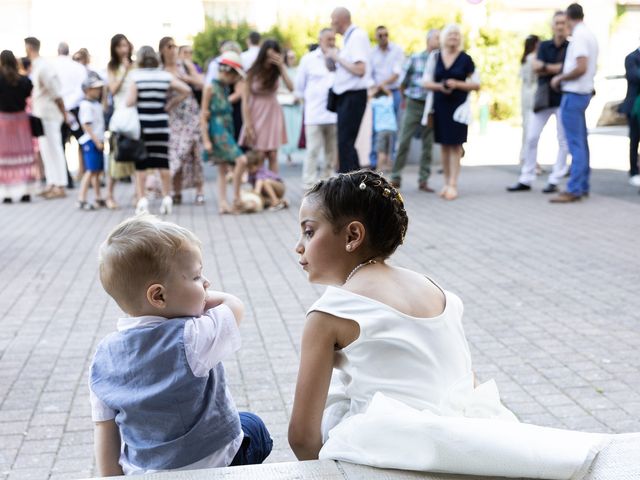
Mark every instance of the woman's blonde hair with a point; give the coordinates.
(138, 253)
(451, 28)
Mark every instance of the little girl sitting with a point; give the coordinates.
(395, 343)
(266, 183)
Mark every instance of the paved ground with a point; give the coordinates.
(551, 296)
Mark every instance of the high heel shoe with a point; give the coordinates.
(166, 206)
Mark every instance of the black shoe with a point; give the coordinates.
(550, 188)
(519, 187)
(25, 199)
(7, 200)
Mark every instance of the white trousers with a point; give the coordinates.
(52, 153)
(322, 153)
(535, 125)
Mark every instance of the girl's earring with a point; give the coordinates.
(348, 248)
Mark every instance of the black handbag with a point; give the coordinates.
(129, 150)
(37, 130)
(332, 101)
(542, 100)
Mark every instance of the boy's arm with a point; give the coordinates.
(86, 127)
(215, 299)
(106, 439)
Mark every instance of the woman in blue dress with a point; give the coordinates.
(451, 84)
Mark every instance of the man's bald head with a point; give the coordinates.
(340, 20)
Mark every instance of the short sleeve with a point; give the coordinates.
(211, 338)
(27, 86)
(99, 411)
(360, 49)
(470, 67)
(85, 113)
(579, 48)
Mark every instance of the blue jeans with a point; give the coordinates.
(256, 444)
(373, 155)
(572, 110)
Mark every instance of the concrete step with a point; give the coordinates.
(620, 460)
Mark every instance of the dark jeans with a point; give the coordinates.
(350, 109)
(256, 444)
(634, 139)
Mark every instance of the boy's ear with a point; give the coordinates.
(156, 296)
(355, 235)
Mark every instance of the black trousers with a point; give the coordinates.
(634, 139)
(350, 109)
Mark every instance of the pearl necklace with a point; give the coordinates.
(358, 267)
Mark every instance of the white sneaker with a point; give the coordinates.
(166, 206)
(634, 181)
(142, 206)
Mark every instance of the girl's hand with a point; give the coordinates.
(451, 83)
(208, 146)
(250, 133)
(100, 146)
(444, 89)
(275, 59)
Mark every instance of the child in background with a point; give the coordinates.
(385, 126)
(216, 123)
(91, 117)
(159, 397)
(266, 183)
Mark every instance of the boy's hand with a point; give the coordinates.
(99, 145)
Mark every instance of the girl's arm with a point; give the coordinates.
(246, 115)
(106, 438)
(215, 299)
(285, 77)
(465, 86)
(113, 83)
(319, 339)
(204, 118)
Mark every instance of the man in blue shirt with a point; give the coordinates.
(548, 63)
(415, 95)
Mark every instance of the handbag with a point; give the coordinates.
(125, 121)
(541, 99)
(129, 149)
(332, 101)
(37, 130)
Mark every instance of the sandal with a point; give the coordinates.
(177, 198)
(224, 209)
(86, 206)
(111, 204)
(278, 206)
(199, 199)
(100, 203)
(451, 193)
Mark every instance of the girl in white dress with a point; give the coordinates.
(384, 355)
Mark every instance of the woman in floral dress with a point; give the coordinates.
(185, 142)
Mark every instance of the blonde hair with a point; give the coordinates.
(451, 28)
(138, 253)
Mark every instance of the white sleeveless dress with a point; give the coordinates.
(402, 396)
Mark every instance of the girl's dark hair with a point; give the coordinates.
(530, 44)
(368, 197)
(266, 73)
(163, 43)
(9, 67)
(115, 61)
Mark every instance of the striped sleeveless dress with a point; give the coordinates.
(152, 85)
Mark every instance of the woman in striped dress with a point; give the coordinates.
(148, 92)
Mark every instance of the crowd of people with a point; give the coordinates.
(258, 101)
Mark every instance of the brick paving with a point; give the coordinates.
(551, 297)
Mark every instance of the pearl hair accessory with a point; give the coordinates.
(358, 267)
(362, 185)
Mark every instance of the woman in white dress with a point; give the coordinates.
(529, 84)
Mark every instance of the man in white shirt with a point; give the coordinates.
(249, 56)
(387, 60)
(48, 106)
(71, 75)
(313, 81)
(576, 83)
(350, 85)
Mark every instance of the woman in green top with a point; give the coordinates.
(218, 130)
